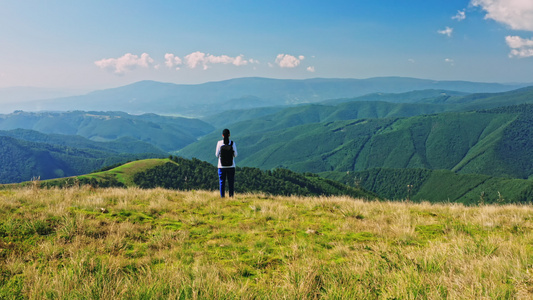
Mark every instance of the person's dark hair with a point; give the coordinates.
(225, 134)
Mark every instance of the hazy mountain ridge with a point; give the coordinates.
(378, 105)
(26, 93)
(212, 97)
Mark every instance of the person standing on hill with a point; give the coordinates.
(226, 151)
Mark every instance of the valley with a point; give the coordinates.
(476, 136)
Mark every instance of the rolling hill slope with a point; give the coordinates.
(466, 142)
(166, 133)
(22, 160)
(120, 145)
(184, 174)
(378, 105)
(438, 186)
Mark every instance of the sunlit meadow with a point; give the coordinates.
(85, 243)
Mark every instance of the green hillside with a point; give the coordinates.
(183, 174)
(22, 160)
(122, 174)
(166, 133)
(416, 96)
(120, 145)
(222, 119)
(438, 186)
(269, 119)
(466, 142)
(377, 105)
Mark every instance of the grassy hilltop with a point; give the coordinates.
(87, 243)
(184, 174)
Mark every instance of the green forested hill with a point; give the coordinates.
(120, 145)
(166, 133)
(377, 105)
(267, 119)
(416, 96)
(438, 185)
(195, 174)
(467, 142)
(22, 160)
(185, 174)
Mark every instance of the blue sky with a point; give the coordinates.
(101, 44)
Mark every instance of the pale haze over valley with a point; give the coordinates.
(73, 47)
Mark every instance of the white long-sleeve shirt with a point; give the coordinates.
(217, 153)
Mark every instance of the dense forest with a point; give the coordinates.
(494, 142)
(195, 174)
(438, 185)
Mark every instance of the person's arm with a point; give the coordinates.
(217, 150)
(234, 150)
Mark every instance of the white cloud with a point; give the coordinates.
(125, 63)
(524, 52)
(518, 42)
(198, 58)
(240, 61)
(288, 61)
(450, 61)
(223, 59)
(447, 31)
(194, 59)
(311, 69)
(519, 47)
(172, 61)
(411, 60)
(460, 15)
(517, 14)
(129, 62)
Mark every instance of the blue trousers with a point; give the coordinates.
(229, 174)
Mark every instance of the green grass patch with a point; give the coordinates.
(430, 232)
(125, 172)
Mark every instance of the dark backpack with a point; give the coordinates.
(226, 155)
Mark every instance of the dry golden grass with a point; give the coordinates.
(84, 243)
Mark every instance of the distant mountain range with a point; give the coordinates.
(382, 133)
(24, 94)
(242, 93)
